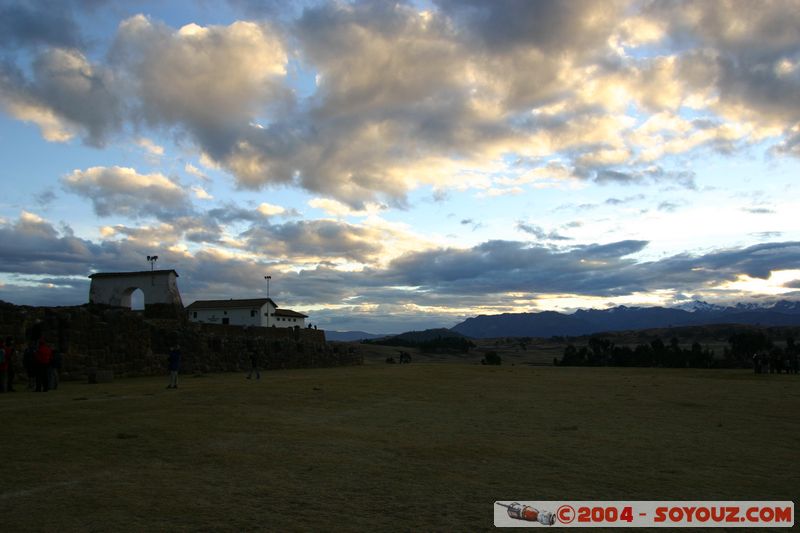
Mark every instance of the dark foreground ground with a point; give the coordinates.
(388, 447)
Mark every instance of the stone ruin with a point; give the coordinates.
(159, 287)
(99, 338)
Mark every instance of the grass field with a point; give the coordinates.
(425, 447)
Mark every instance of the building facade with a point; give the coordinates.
(115, 288)
(260, 312)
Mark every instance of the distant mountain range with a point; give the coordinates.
(621, 318)
(409, 336)
(349, 336)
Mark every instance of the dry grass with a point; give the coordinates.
(388, 447)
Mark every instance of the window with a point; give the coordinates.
(224, 312)
(252, 312)
(194, 315)
(226, 321)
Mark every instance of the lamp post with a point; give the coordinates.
(152, 259)
(267, 278)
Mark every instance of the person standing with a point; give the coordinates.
(174, 366)
(3, 369)
(11, 354)
(29, 362)
(43, 358)
(54, 369)
(253, 352)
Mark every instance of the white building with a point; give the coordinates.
(253, 312)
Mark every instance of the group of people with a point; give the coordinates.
(41, 363)
(174, 364)
(775, 363)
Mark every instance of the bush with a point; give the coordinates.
(491, 358)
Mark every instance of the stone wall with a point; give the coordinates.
(131, 344)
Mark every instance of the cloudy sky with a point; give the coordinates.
(398, 165)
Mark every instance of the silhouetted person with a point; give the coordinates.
(11, 356)
(3, 368)
(253, 353)
(29, 363)
(174, 366)
(54, 369)
(43, 357)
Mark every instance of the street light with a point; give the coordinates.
(152, 259)
(267, 278)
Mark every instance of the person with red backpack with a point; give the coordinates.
(42, 358)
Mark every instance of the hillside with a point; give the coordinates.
(439, 340)
(348, 336)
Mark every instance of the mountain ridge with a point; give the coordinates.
(620, 318)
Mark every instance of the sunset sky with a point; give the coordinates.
(398, 166)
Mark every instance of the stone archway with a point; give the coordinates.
(136, 299)
(160, 288)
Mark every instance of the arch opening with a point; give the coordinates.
(133, 298)
(137, 300)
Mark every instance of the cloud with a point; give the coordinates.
(123, 191)
(194, 171)
(552, 27)
(623, 201)
(32, 245)
(540, 233)
(66, 96)
(750, 49)
(790, 144)
(38, 23)
(499, 267)
(759, 210)
(317, 240)
(768, 234)
(444, 97)
(441, 284)
(230, 213)
(271, 9)
(201, 194)
(684, 179)
(269, 210)
(177, 76)
(151, 147)
(45, 197)
(339, 209)
(669, 207)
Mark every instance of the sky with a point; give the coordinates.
(403, 165)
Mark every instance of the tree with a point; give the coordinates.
(491, 358)
(746, 344)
